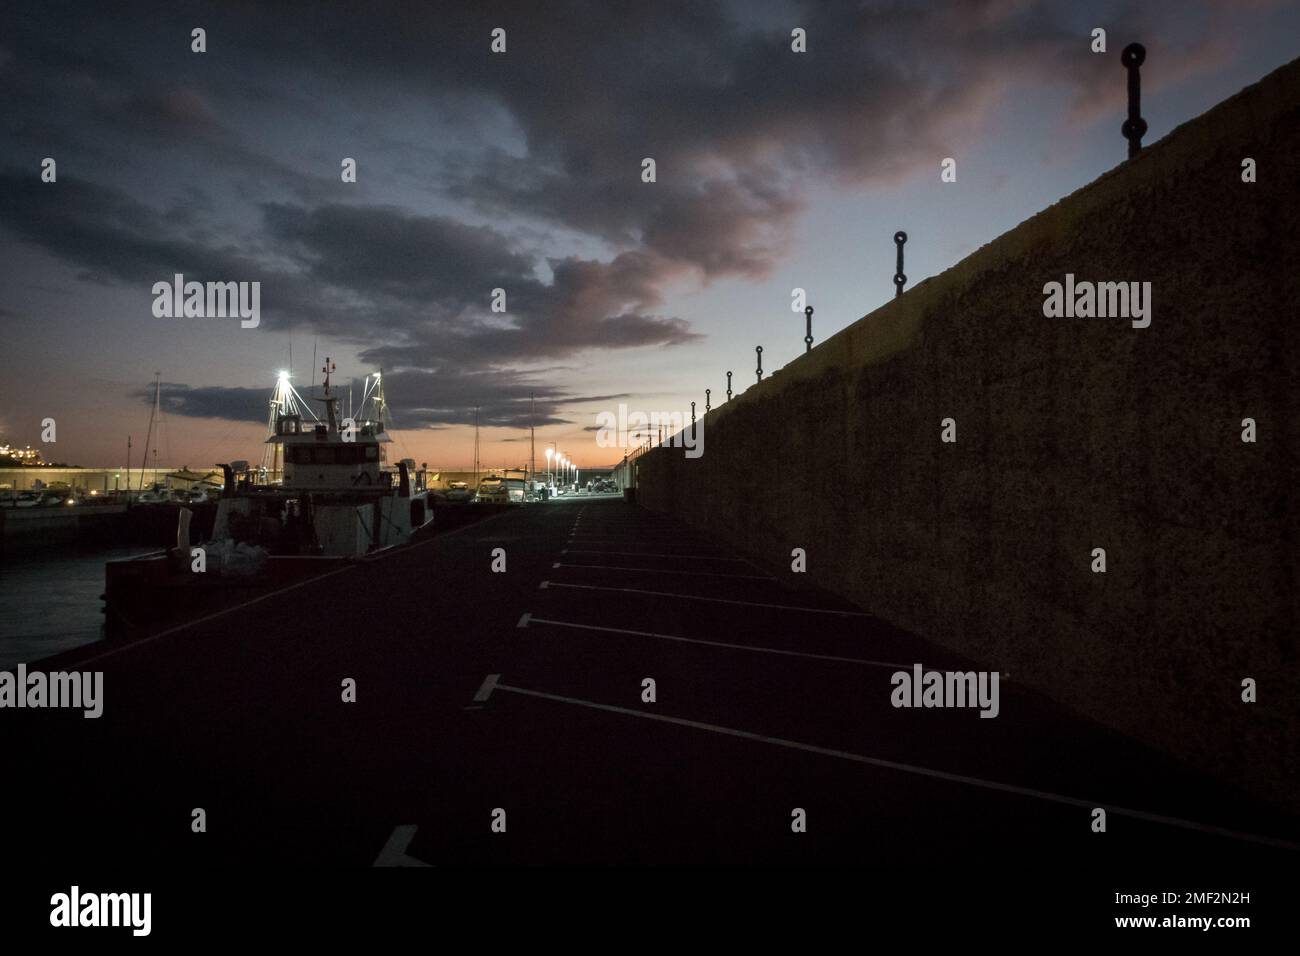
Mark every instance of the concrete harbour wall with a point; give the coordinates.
(1072, 434)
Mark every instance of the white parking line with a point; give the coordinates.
(663, 532)
(149, 639)
(636, 536)
(368, 559)
(485, 690)
(651, 554)
(394, 851)
(659, 543)
(735, 647)
(696, 597)
(910, 768)
(694, 574)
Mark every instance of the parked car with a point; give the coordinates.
(492, 490)
(516, 485)
(458, 491)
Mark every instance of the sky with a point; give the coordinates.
(522, 171)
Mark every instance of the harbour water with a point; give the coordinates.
(50, 599)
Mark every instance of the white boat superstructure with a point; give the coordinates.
(336, 497)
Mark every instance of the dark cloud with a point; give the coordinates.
(111, 235)
(423, 284)
(503, 399)
(387, 252)
(175, 112)
(232, 404)
(533, 157)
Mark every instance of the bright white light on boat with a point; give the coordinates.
(284, 376)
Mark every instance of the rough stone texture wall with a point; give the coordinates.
(1072, 434)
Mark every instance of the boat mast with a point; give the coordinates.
(144, 460)
(157, 410)
(279, 406)
(381, 404)
(327, 368)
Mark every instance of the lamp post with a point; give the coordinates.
(550, 453)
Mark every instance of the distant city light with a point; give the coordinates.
(27, 455)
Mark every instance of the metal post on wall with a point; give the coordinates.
(1135, 127)
(900, 280)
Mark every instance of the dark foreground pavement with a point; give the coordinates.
(768, 699)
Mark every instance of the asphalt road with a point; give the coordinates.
(768, 699)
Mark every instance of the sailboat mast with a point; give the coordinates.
(157, 412)
(476, 448)
(144, 459)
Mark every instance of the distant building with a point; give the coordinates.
(12, 456)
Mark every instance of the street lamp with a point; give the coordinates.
(549, 454)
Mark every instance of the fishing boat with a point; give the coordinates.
(332, 499)
(336, 495)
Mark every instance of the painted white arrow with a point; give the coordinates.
(394, 851)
